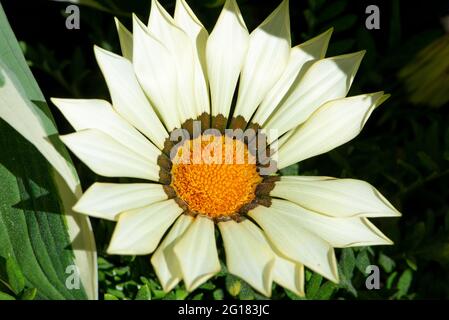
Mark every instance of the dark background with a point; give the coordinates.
(403, 150)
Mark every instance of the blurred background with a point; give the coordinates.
(403, 150)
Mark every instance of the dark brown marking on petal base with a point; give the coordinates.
(219, 122)
(238, 122)
(164, 177)
(266, 186)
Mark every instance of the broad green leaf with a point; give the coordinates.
(37, 226)
(15, 276)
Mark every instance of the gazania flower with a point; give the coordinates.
(174, 78)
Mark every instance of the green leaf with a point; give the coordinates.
(218, 294)
(233, 285)
(29, 294)
(347, 261)
(292, 170)
(404, 282)
(246, 293)
(390, 280)
(313, 285)
(386, 263)
(411, 262)
(198, 296)
(38, 186)
(362, 261)
(326, 291)
(15, 276)
(109, 296)
(143, 293)
(181, 294)
(5, 296)
(345, 270)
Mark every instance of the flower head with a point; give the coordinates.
(206, 153)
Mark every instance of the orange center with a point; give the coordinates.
(215, 175)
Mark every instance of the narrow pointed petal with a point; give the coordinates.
(126, 40)
(98, 114)
(139, 231)
(327, 79)
(164, 260)
(332, 125)
(299, 59)
(128, 98)
(340, 198)
(155, 69)
(225, 53)
(285, 272)
(246, 256)
(191, 25)
(295, 242)
(107, 157)
(108, 200)
(338, 232)
(289, 275)
(162, 26)
(197, 253)
(266, 59)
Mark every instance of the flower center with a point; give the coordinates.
(215, 175)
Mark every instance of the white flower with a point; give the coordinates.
(172, 73)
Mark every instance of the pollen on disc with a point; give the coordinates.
(215, 175)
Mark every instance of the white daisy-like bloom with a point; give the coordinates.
(174, 75)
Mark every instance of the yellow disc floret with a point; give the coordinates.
(215, 175)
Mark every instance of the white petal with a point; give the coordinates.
(335, 197)
(98, 114)
(139, 231)
(128, 98)
(339, 232)
(126, 40)
(325, 80)
(332, 125)
(189, 23)
(155, 68)
(296, 67)
(246, 256)
(164, 260)
(296, 243)
(106, 157)
(266, 59)
(225, 53)
(164, 29)
(197, 253)
(289, 275)
(108, 200)
(286, 273)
